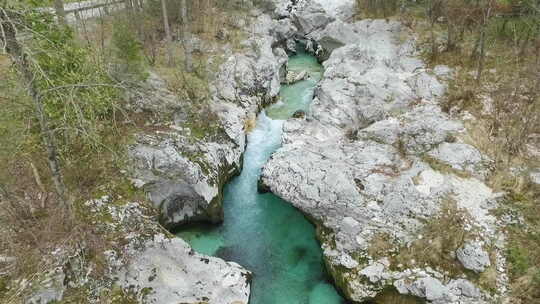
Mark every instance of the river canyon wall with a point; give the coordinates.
(397, 193)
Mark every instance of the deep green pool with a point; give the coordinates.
(261, 231)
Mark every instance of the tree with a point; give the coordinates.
(20, 58)
(128, 51)
(167, 28)
(486, 12)
(185, 36)
(73, 97)
(433, 11)
(60, 12)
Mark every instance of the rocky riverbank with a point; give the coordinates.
(397, 193)
(189, 154)
(185, 164)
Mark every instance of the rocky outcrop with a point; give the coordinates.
(310, 9)
(473, 256)
(320, 21)
(309, 17)
(169, 271)
(190, 154)
(396, 193)
(338, 9)
(334, 36)
(140, 264)
(51, 288)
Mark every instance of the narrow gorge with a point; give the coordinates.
(260, 231)
(373, 162)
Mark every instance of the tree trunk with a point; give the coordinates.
(451, 30)
(60, 12)
(474, 51)
(15, 51)
(167, 32)
(188, 60)
(431, 17)
(482, 54)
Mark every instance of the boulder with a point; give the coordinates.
(473, 257)
(284, 30)
(294, 77)
(50, 289)
(463, 157)
(310, 16)
(291, 46)
(169, 271)
(464, 287)
(154, 97)
(535, 177)
(429, 288)
(333, 36)
(178, 187)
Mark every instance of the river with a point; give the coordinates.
(261, 232)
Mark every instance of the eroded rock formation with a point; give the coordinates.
(183, 171)
(395, 189)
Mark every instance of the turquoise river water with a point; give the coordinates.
(262, 232)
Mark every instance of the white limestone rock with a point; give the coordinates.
(184, 175)
(443, 71)
(309, 16)
(462, 157)
(50, 290)
(168, 271)
(293, 77)
(472, 256)
(535, 177)
(334, 36)
(339, 9)
(355, 164)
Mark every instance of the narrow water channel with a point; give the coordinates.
(261, 231)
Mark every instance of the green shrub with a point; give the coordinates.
(519, 259)
(128, 50)
(79, 97)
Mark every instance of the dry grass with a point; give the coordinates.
(392, 296)
(195, 84)
(4, 65)
(380, 245)
(435, 247)
(505, 108)
(444, 168)
(439, 240)
(250, 123)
